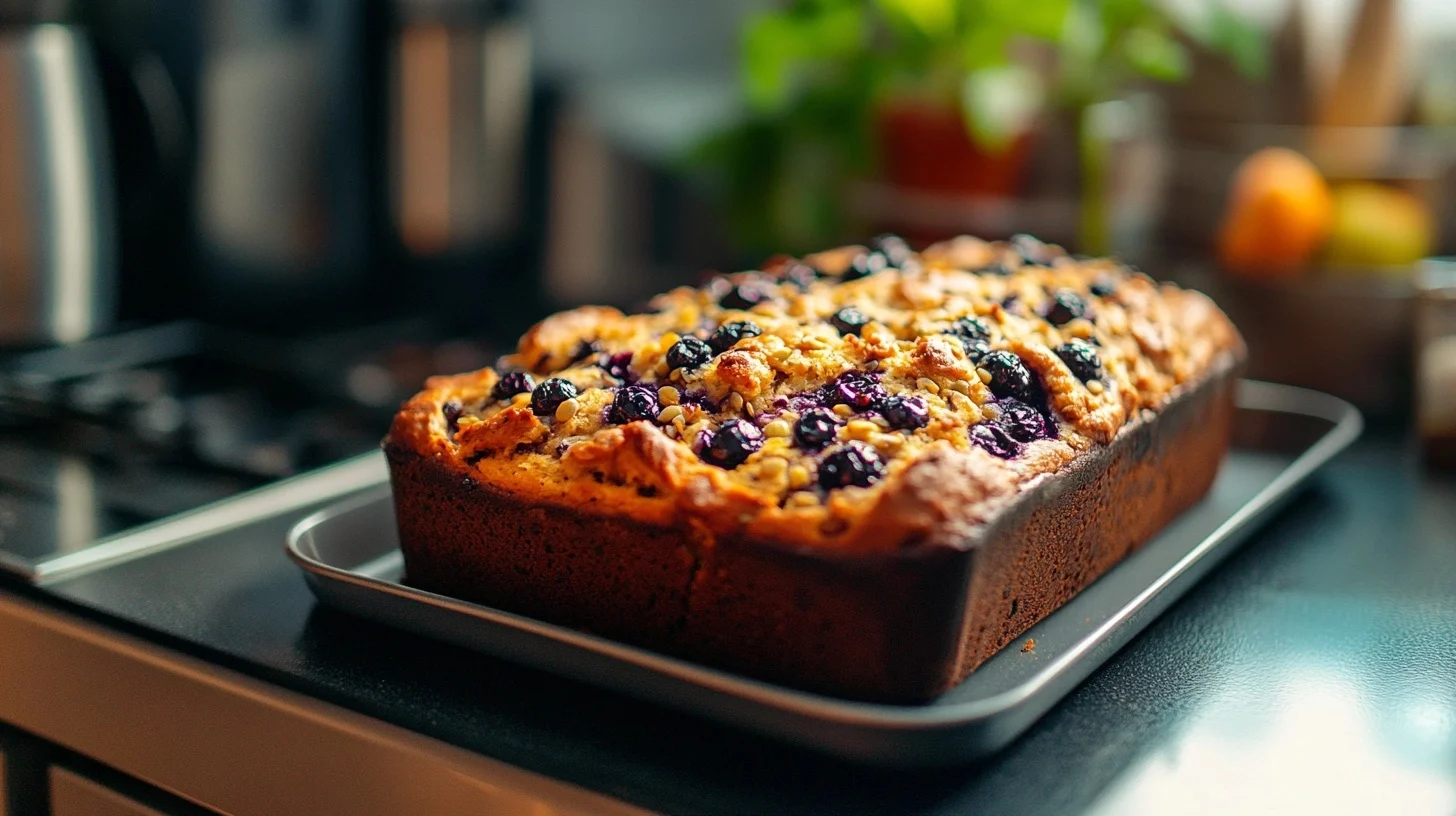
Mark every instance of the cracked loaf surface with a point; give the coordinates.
(861, 473)
(861, 400)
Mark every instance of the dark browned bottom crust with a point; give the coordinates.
(898, 627)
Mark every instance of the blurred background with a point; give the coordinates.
(234, 234)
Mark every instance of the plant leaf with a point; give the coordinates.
(768, 49)
(1241, 40)
(984, 46)
(1122, 14)
(1084, 36)
(778, 45)
(834, 32)
(936, 19)
(1043, 19)
(1154, 54)
(1081, 56)
(1000, 104)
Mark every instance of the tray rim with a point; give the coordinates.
(1346, 425)
(330, 482)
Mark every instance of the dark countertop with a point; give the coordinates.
(1315, 669)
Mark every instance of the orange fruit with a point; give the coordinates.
(1278, 215)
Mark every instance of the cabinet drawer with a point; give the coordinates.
(75, 795)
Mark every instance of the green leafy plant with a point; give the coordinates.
(816, 71)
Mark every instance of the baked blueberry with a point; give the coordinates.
(584, 349)
(852, 465)
(727, 335)
(864, 265)
(633, 403)
(815, 428)
(975, 349)
(1032, 250)
(1082, 358)
(996, 268)
(731, 444)
(1021, 421)
(971, 328)
(904, 413)
(688, 353)
(994, 440)
(698, 398)
(1065, 307)
(619, 366)
(549, 395)
(513, 383)
(894, 248)
(451, 411)
(849, 320)
(1009, 376)
(800, 274)
(745, 295)
(856, 389)
(973, 334)
(1103, 288)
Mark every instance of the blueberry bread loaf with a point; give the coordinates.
(861, 472)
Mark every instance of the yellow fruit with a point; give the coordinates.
(1278, 215)
(1378, 227)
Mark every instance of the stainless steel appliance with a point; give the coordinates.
(356, 157)
(234, 234)
(259, 163)
(58, 252)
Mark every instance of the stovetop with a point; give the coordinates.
(103, 436)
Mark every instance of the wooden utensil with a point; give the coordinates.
(1372, 85)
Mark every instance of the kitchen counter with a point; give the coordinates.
(1314, 670)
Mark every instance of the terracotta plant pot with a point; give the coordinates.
(925, 147)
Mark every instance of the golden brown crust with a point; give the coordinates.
(894, 626)
(937, 483)
(594, 502)
(938, 500)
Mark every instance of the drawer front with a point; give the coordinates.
(74, 795)
(350, 764)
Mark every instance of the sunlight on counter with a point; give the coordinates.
(1319, 750)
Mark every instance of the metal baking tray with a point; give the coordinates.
(351, 560)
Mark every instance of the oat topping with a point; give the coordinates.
(824, 376)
